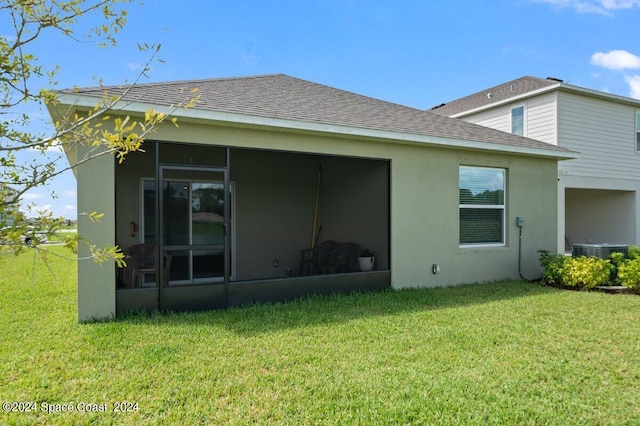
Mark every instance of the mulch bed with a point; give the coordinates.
(614, 289)
(610, 289)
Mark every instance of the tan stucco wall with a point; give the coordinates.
(424, 202)
(96, 283)
(425, 218)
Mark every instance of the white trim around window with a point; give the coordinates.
(518, 120)
(482, 206)
(637, 132)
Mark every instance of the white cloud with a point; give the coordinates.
(619, 4)
(135, 67)
(634, 84)
(70, 194)
(616, 60)
(31, 196)
(602, 7)
(68, 208)
(620, 60)
(54, 146)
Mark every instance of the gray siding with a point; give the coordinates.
(540, 118)
(498, 118)
(603, 132)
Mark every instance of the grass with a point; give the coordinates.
(500, 353)
(60, 236)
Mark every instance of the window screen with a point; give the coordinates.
(482, 205)
(517, 121)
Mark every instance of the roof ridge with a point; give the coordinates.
(360, 95)
(239, 78)
(498, 86)
(172, 82)
(497, 93)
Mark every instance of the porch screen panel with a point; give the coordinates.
(189, 154)
(176, 213)
(482, 205)
(207, 227)
(208, 263)
(207, 213)
(149, 211)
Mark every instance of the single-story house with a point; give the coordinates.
(264, 167)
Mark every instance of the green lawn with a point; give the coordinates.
(502, 353)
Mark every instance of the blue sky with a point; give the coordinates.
(416, 53)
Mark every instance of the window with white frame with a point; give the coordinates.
(638, 131)
(517, 120)
(482, 205)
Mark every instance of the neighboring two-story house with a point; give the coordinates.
(9, 208)
(598, 192)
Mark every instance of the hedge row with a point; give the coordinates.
(587, 272)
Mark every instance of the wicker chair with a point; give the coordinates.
(143, 262)
(343, 258)
(312, 257)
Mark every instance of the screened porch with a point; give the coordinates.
(230, 225)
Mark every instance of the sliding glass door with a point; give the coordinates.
(193, 225)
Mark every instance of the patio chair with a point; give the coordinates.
(311, 257)
(143, 262)
(343, 258)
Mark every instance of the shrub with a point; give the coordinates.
(577, 272)
(585, 272)
(629, 274)
(634, 252)
(552, 265)
(616, 260)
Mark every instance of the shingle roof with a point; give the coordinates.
(283, 97)
(494, 95)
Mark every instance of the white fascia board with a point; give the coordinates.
(491, 146)
(207, 116)
(619, 99)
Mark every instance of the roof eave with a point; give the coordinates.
(200, 115)
(511, 100)
(560, 87)
(600, 95)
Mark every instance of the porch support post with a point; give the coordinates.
(562, 226)
(159, 226)
(96, 193)
(227, 229)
